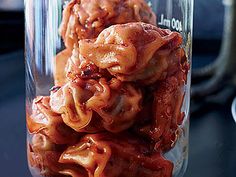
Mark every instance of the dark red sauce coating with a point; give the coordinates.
(116, 105)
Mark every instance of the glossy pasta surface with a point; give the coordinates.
(116, 107)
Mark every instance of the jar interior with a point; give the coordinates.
(108, 87)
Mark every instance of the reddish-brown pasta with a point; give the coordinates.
(60, 63)
(116, 103)
(43, 120)
(85, 19)
(107, 155)
(77, 66)
(128, 57)
(44, 156)
(168, 100)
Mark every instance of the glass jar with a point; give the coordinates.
(108, 87)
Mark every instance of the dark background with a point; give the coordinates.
(212, 131)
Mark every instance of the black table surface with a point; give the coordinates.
(212, 150)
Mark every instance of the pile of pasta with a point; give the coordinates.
(116, 105)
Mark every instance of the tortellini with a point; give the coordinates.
(106, 155)
(117, 49)
(85, 19)
(116, 103)
(43, 120)
(116, 107)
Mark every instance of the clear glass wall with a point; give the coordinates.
(108, 87)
